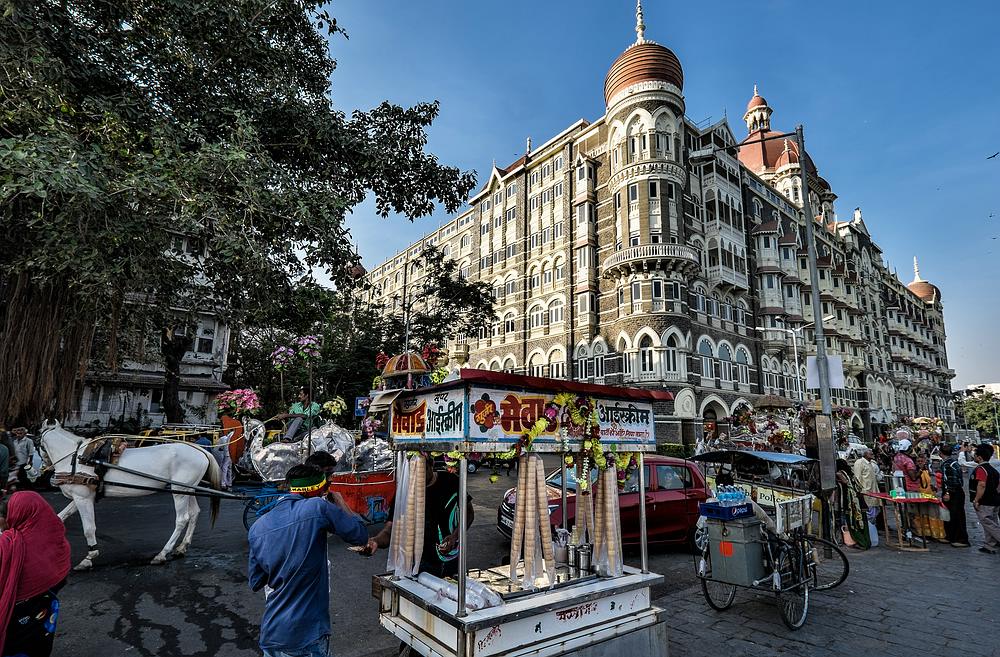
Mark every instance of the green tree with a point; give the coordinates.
(159, 159)
(440, 304)
(981, 410)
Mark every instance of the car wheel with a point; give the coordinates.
(471, 467)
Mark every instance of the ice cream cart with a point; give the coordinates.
(582, 600)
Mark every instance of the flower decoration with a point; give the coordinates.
(431, 354)
(307, 347)
(381, 358)
(439, 375)
(335, 406)
(282, 357)
(238, 402)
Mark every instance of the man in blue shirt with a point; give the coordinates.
(288, 555)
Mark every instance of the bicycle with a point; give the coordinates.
(789, 574)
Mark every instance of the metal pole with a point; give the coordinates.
(798, 372)
(463, 520)
(564, 493)
(644, 556)
(822, 365)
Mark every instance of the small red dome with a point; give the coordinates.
(756, 101)
(926, 291)
(788, 156)
(643, 62)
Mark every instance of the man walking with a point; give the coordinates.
(953, 495)
(24, 452)
(985, 484)
(288, 556)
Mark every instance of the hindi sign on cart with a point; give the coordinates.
(503, 416)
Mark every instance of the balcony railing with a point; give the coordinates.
(633, 254)
(727, 275)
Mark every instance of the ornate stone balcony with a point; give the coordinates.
(651, 257)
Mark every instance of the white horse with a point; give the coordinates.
(184, 463)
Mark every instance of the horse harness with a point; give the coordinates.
(93, 453)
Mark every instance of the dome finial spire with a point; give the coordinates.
(755, 89)
(640, 27)
(916, 270)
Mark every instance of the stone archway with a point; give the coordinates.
(713, 414)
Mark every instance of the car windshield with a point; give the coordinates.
(555, 479)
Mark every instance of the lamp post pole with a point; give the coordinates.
(822, 364)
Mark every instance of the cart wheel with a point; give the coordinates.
(718, 595)
(794, 595)
(256, 507)
(826, 572)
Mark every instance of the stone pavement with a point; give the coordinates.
(893, 604)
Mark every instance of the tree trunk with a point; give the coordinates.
(172, 348)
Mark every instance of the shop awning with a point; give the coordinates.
(383, 400)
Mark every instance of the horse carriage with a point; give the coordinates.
(363, 476)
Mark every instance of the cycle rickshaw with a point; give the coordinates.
(763, 543)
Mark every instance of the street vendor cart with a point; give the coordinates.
(552, 599)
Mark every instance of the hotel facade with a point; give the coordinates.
(643, 250)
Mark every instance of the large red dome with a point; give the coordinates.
(643, 62)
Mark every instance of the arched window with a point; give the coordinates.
(742, 366)
(707, 358)
(536, 366)
(509, 365)
(556, 311)
(510, 285)
(546, 276)
(509, 321)
(700, 299)
(466, 241)
(560, 269)
(646, 355)
(626, 358)
(446, 251)
(557, 365)
(537, 316)
(534, 280)
(757, 207)
(725, 363)
(670, 355)
(599, 361)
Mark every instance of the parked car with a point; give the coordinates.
(674, 488)
(855, 448)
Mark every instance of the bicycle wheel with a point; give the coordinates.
(793, 598)
(827, 572)
(718, 595)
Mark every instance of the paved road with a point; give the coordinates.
(893, 604)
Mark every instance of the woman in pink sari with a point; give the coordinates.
(34, 562)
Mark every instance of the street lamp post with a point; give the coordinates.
(795, 333)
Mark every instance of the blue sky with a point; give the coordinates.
(900, 103)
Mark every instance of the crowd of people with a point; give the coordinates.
(940, 470)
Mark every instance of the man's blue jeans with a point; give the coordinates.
(320, 648)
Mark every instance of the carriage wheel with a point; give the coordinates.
(257, 507)
(794, 595)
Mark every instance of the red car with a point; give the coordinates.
(674, 488)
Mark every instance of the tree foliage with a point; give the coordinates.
(354, 329)
(129, 124)
(981, 408)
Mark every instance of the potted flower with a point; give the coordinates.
(237, 403)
